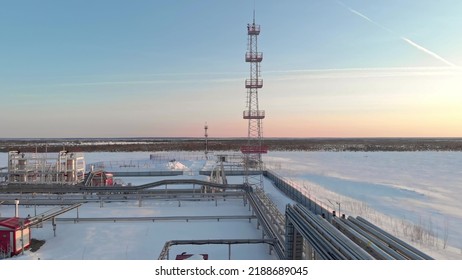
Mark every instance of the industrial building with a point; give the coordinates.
(40, 168)
(14, 236)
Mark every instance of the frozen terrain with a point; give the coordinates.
(421, 187)
(415, 195)
(144, 240)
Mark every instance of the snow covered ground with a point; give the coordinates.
(144, 240)
(392, 189)
(418, 187)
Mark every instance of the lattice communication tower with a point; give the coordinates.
(254, 148)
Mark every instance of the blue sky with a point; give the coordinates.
(117, 68)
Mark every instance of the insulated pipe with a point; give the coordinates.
(16, 209)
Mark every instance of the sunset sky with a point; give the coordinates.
(113, 68)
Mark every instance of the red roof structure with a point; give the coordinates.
(13, 223)
(14, 236)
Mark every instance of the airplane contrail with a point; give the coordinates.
(407, 40)
(412, 43)
(369, 20)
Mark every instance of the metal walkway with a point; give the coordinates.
(270, 219)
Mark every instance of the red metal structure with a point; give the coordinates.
(185, 256)
(14, 236)
(101, 178)
(253, 149)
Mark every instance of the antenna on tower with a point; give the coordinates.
(254, 4)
